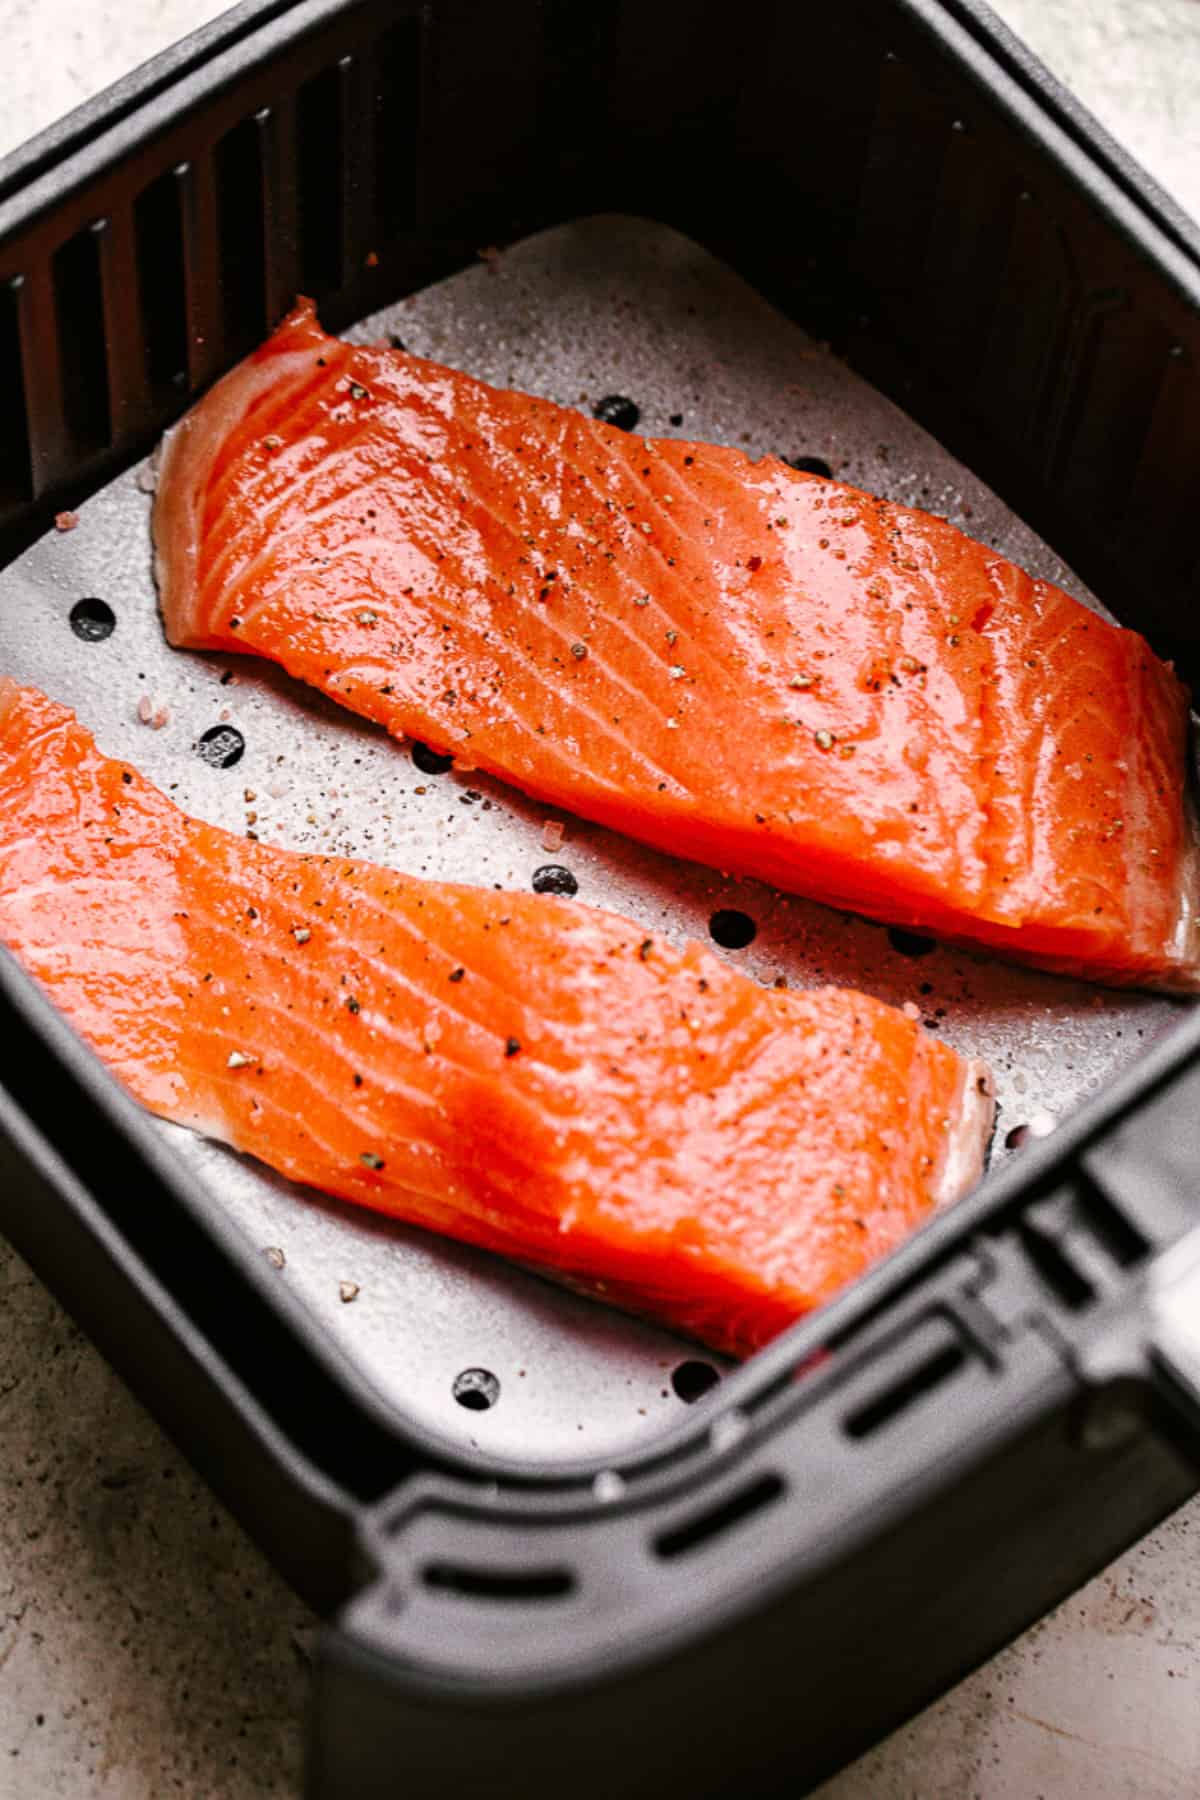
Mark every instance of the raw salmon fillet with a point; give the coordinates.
(735, 662)
(525, 1073)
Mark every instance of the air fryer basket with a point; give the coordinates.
(904, 1481)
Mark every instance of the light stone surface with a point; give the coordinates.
(145, 1647)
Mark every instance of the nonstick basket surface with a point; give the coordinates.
(586, 311)
(629, 210)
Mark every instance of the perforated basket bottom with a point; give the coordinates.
(602, 307)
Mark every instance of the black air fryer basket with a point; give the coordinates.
(850, 1522)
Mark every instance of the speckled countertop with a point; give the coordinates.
(147, 1649)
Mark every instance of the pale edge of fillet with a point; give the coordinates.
(1185, 944)
(968, 1132)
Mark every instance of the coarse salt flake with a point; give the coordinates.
(152, 713)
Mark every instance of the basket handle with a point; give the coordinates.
(1174, 1339)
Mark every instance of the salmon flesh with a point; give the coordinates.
(522, 1072)
(755, 668)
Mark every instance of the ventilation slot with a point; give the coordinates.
(1021, 346)
(1056, 1269)
(901, 179)
(1075, 1240)
(321, 150)
(15, 483)
(495, 1584)
(397, 122)
(239, 181)
(276, 128)
(79, 315)
(721, 1518)
(1108, 407)
(888, 1405)
(1118, 1235)
(158, 234)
